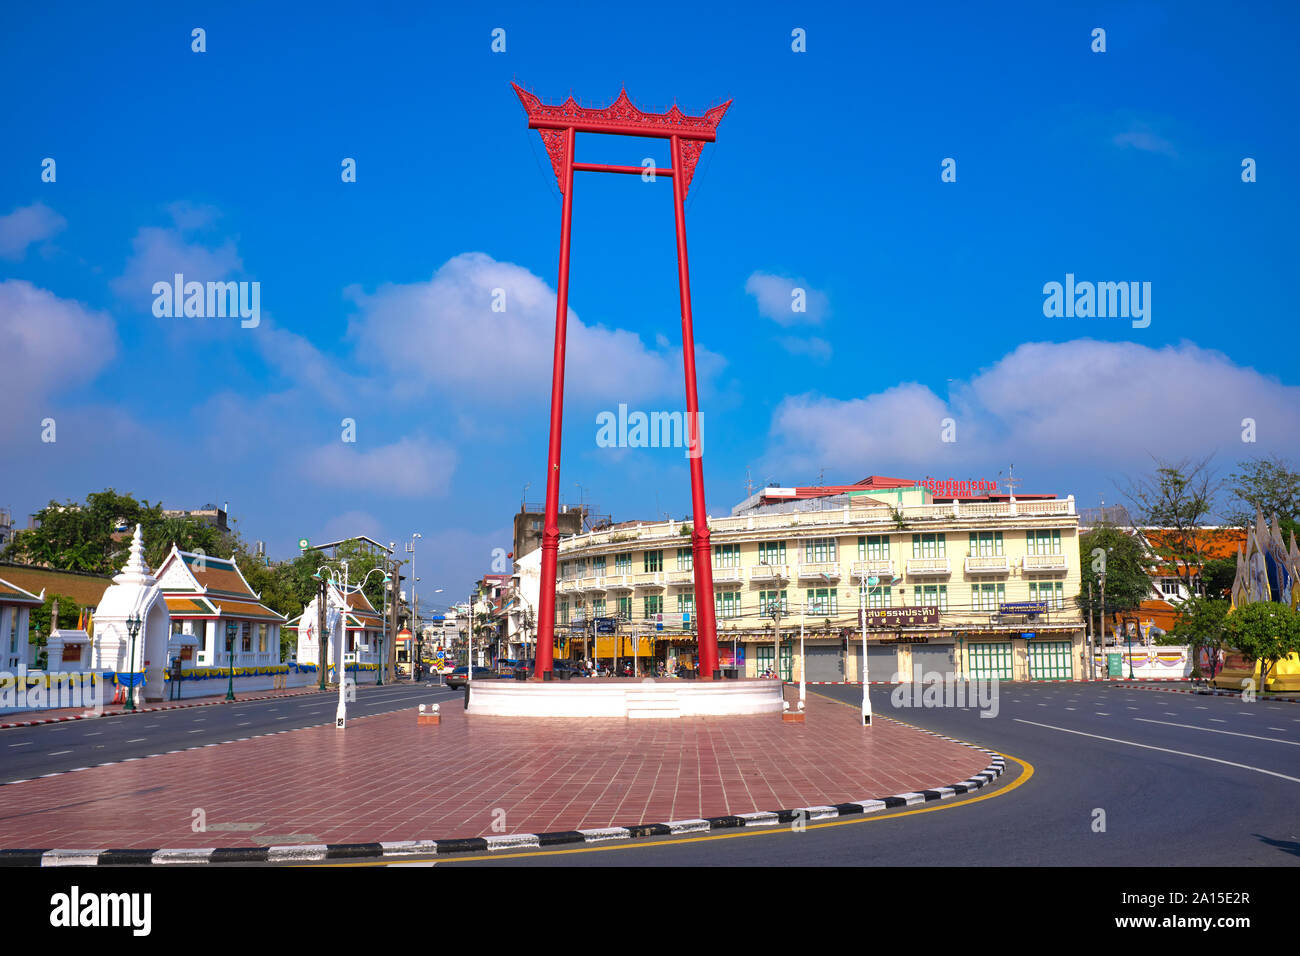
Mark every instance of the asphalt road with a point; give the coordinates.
(1182, 780)
(27, 752)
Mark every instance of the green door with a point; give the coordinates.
(989, 660)
(1051, 660)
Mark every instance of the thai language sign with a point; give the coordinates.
(893, 617)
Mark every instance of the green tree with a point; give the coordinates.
(1266, 632)
(1200, 625)
(1217, 576)
(1120, 557)
(1268, 485)
(1177, 499)
(95, 535)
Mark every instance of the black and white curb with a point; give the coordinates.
(315, 853)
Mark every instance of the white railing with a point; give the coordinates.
(648, 579)
(879, 567)
(681, 577)
(728, 576)
(928, 566)
(618, 582)
(986, 564)
(1046, 562)
(830, 569)
(769, 572)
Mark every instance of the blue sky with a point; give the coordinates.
(926, 296)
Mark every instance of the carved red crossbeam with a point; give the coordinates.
(620, 118)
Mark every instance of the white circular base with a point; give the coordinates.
(632, 699)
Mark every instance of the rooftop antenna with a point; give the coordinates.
(749, 483)
(1012, 481)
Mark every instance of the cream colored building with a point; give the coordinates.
(1002, 573)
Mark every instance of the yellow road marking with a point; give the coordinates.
(1026, 772)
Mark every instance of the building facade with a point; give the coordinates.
(983, 586)
(204, 594)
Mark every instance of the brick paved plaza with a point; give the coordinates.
(385, 779)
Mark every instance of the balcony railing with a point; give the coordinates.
(648, 579)
(988, 564)
(830, 569)
(618, 582)
(928, 566)
(728, 576)
(874, 567)
(769, 572)
(1046, 562)
(680, 578)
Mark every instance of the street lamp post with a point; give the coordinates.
(230, 649)
(383, 633)
(866, 672)
(341, 714)
(133, 628)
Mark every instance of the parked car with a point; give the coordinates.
(458, 676)
(567, 670)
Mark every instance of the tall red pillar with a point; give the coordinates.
(551, 526)
(706, 631)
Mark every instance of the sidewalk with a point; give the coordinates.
(386, 779)
(33, 718)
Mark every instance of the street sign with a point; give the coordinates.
(1023, 607)
(659, 622)
(606, 625)
(303, 544)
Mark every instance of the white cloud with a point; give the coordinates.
(815, 348)
(352, 524)
(1074, 404)
(444, 333)
(25, 225)
(159, 253)
(775, 297)
(50, 344)
(406, 468)
(1140, 136)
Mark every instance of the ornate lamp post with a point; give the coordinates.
(230, 649)
(133, 624)
(388, 583)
